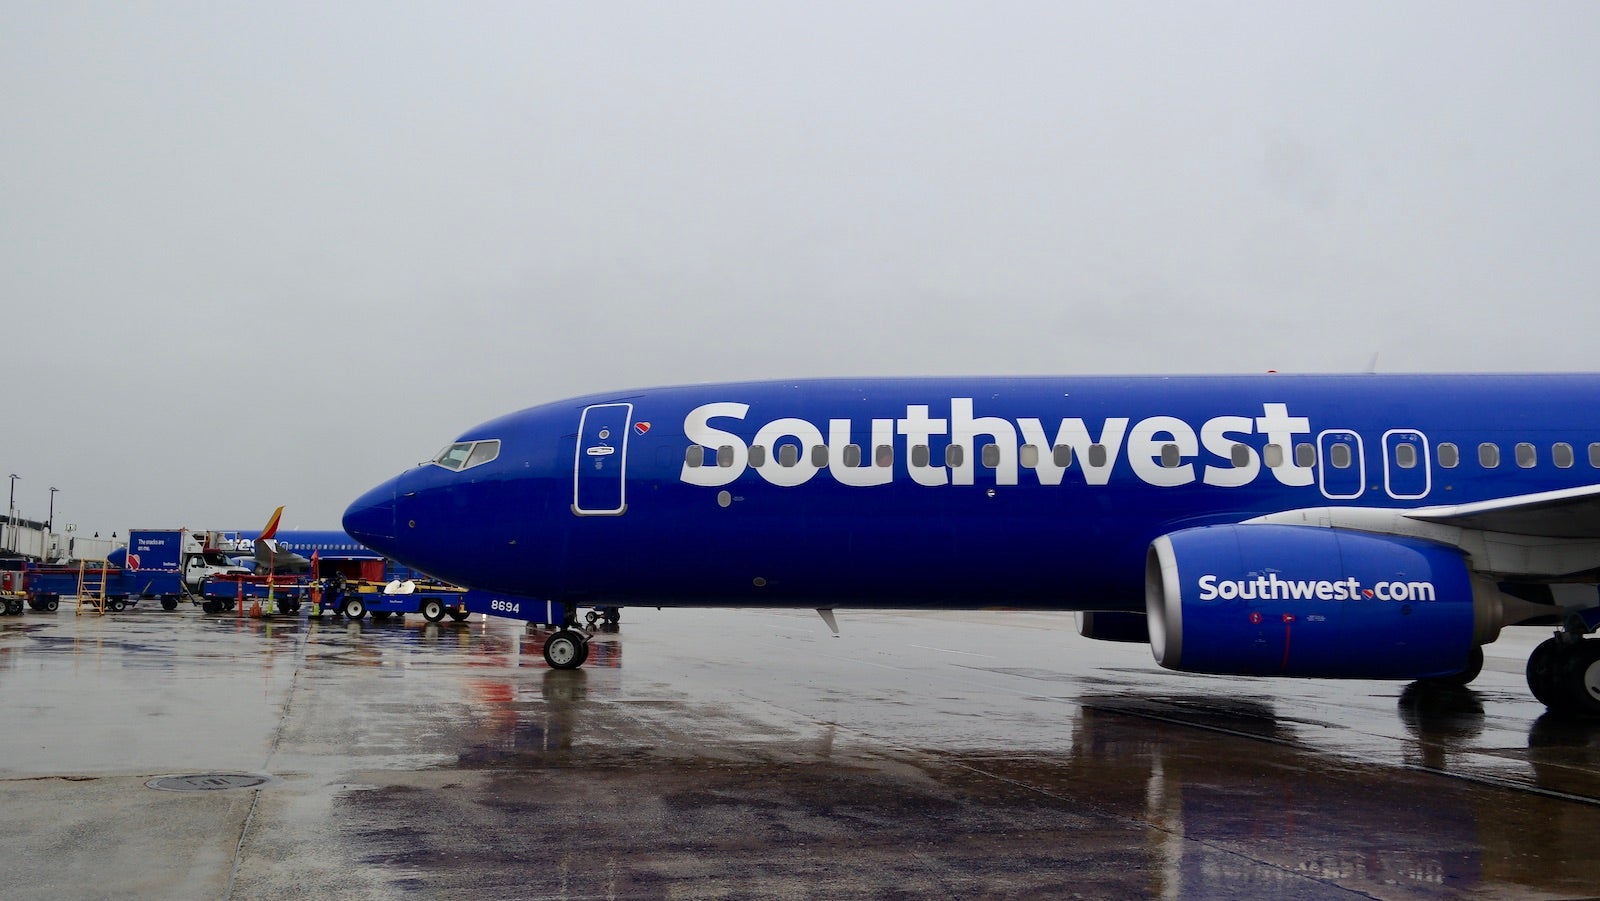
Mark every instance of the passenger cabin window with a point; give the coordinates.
(725, 456)
(1028, 456)
(1063, 455)
(1489, 455)
(884, 456)
(788, 455)
(991, 455)
(1339, 456)
(758, 455)
(954, 455)
(1449, 456)
(1527, 455)
(1305, 456)
(1562, 455)
(1239, 456)
(694, 457)
(1594, 455)
(1272, 455)
(1405, 456)
(852, 455)
(819, 456)
(1171, 457)
(920, 456)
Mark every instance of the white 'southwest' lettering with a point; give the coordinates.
(697, 427)
(1272, 588)
(727, 456)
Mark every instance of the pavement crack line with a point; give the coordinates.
(266, 764)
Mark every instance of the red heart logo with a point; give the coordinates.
(1368, 593)
(641, 427)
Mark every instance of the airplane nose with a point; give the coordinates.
(370, 518)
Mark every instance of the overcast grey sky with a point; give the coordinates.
(262, 254)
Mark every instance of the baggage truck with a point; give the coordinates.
(286, 593)
(278, 594)
(355, 599)
(158, 564)
(48, 583)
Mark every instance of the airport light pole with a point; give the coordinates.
(11, 515)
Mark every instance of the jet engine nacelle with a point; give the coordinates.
(1304, 601)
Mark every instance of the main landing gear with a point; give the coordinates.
(1564, 673)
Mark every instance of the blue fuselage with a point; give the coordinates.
(948, 492)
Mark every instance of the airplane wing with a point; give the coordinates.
(271, 557)
(1550, 535)
(1568, 513)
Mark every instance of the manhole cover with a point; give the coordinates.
(207, 782)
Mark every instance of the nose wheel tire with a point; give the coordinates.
(566, 649)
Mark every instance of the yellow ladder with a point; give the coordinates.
(92, 586)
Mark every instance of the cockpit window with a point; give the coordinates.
(483, 452)
(467, 454)
(454, 456)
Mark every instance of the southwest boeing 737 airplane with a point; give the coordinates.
(289, 551)
(1368, 527)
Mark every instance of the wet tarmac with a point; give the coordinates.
(750, 754)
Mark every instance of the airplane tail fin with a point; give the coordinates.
(271, 528)
(272, 558)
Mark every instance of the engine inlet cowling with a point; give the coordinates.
(1303, 601)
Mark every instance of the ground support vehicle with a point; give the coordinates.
(280, 594)
(47, 584)
(192, 557)
(354, 599)
(12, 595)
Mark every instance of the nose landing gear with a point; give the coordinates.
(566, 649)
